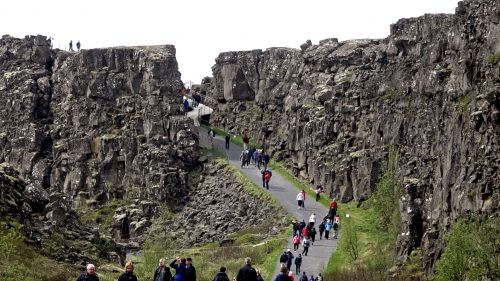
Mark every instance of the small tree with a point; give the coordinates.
(350, 240)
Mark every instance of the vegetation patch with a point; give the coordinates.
(20, 261)
(102, 216)
(472, 251)
(494, 58)
(463, 103)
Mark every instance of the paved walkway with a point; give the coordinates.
(286, 193)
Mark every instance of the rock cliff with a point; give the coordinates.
(85, 128)
(331, 111)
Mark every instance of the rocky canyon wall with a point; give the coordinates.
(331, 111)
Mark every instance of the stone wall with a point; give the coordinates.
(331, 112)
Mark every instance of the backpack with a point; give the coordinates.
(268, 175)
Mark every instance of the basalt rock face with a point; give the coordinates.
(331, 111)
(94, 125)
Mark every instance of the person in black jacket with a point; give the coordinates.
(247, 272)
(128, 275)
(284, 258)
(221, 275)
(190, 270)
(89, 275)
(162, 273)
(298, 263)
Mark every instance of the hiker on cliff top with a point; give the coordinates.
(185, 103)
(71, 45)
(78, 45)
(246, 140)
(88, 275)
(162, 273)
(128, 275)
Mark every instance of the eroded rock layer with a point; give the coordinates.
(331, 111)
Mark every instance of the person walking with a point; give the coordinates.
(247, 272)
(335, 227)
(162, 273)
(303, 200)
(303, 277)
(179, 264)
(221, 275)
(306, 243)
(284, 258)
(321, 229)
(78, 45)
(300, 199)
(313, 235)
(190, 270)
(312, 220)
(328, 228)
(312, 278)
(319, 277)
(128, 275)
(228, 139)
(71, 45)
(305, 231)
(211, 135)
(302, 225)
(295, 227)
(246, 140)
(298, 263)
(296, 242)
(318, 193)
(290, 259)
(267, 177)
(283, 275)
(88, 275)
(266, 159)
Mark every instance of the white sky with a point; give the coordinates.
(200, 30)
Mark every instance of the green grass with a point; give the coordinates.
(234, 138)
(463, 103)
(20, 261)
(102, 216)
(494, 58)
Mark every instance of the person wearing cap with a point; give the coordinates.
(190, 270)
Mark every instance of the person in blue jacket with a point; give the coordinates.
(179, 264)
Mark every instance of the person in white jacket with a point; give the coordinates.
(312, 220)
(300, 199)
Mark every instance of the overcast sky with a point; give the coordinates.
(201, 29)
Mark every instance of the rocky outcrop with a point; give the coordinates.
(331, 111)
(219, 205)
(85, 128)
(101, 121)
(56, 230)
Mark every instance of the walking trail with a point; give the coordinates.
(286, 193)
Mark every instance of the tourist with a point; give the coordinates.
(71, 45)
(162, 273)
(312, 220)
(303, 277)
(190, 270)
(284, 258)
(305, 243)
(321, 228)
(298, 263)
(328, 228)
(211, 135)
(267, 177)
(179, 264)
(78, 45)
(302, 225)
(88, 275)
(265, 159)
(221, 275)
(300, 199)
(303, 200)
(318, 193)
(247, 272)
(296, 242)
(283, 275)
(290, 259)
(228, 139)
(312, 234)
(128, 275)
(319, 277)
